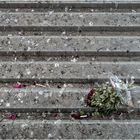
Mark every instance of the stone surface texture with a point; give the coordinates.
(55, 52)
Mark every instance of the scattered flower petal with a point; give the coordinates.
(75, 115)
(19, 85)
(11, 116)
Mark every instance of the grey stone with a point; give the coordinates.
(33, 97)
(58, 44)
(61, 19)
(67, 129)
(67, 70)
(73, 1)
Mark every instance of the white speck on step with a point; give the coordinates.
(40, 92)
(31, 133)
(21, 101)
(69, 85)
(92, 10)
(51, 12)
(139, 70)
(9, 42)
(138, 102)
(16, 10)
(36, 97)
(65, 45)
(74, 60)
(15, 20)
(64, 85)
(29, 48)
(92, 42)
(48, 40)
(7, 104)
(107, 49)
(56, 65)
(58, 122)
(9, 35)
(66, 37)
(81, 16)
(28, 71)
(62, 90)
(82, 99)
(24, 125)
(7, 20)
(43, 114)
(132, 77)
(50, 135)
(63, 33)
(88, 76)
(134, 11)
(1, 100)
(90, 23)
(66, 9)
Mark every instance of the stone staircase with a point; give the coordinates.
(59, 50)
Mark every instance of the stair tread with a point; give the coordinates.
(67, 70)
(66, 99)
(72, 1)
(60, 19)
(70, 129)
(85, 44)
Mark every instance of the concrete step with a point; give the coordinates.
(68, 98)
(65, 49)
(42, 99)
(74, 3)
(70, 21)
(67, 129)
(69, 45)
(66, 71)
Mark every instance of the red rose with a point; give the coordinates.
(75, 115)
(89, 96)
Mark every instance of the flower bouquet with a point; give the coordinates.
(106, 98)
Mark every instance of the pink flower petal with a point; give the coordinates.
(11, 116)
(19, 86)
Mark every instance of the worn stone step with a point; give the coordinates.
(74, 3)
(67, 129)
(37, 98)
(67, 57)
(68, 98)
(70, 21)
(69, 71)
(81, 45)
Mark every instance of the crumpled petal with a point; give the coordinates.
(11, 116)
(19, 86)
(75, 115)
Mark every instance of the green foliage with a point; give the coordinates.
(105, 100)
